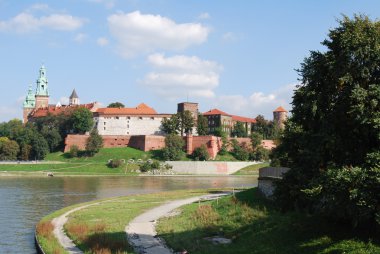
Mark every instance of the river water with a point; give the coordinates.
(24, 200)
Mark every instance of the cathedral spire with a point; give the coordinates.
(42, 83)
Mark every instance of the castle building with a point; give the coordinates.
(220, 119)
(280, 115)
(141, 120)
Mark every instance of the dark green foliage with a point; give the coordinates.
(40, 147)
(53, 137)
(25, 152)
(116, 105)
(115, 163)
(201, 153)
(219, 132)
(74, 151)
(173, 147)
(260, 154)
(239, 130)
(82, 120)
(94, 143)
(202, 125)
(335, 126)
(255, 140)
(239, 152)
(8, 149)
(170, 125)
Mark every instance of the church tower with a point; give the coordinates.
(42, 93)
(29, 104)
(74, 99)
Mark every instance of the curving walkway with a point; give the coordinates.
(141, 230)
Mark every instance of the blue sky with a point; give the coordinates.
(238, 56)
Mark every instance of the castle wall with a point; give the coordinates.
(129, 125)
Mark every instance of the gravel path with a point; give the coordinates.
(141, 231)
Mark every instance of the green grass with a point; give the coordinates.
(256, 227)
(101, 226)
(225, 157)
(252, 170)
(104, 155)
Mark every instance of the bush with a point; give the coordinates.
(74, 151)
(94, 143)
(201, 153)
(173, 147)
(115, 163)
(261, 154)
(239, 152)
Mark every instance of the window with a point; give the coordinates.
(140, 118)
(127, 125)
(152, 118)
(117, 117)
(104, 128)
(128, 117)
(104, 123)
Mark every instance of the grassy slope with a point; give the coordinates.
(256, 227)
(101, 227)
(252, 170)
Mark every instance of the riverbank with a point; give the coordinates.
(246, 222)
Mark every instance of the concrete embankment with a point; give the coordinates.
(208, 167)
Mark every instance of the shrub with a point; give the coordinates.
(173, 147)
(94, 143)
(74, 151)
(145, 167)
(239, 152)
(201, 153)
(115, 163)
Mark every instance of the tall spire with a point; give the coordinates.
(74, 99)
(30, 100)
(42, 83)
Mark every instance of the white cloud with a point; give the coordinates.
(80, 37)
(102, 41)
(204, 15)
(26, 22)
(143, 33)
(257, 103)
(179, 76)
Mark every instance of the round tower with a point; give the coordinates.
(279, 117)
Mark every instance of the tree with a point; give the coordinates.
(116, 105)
(239, 130)
(94, 143)
(202, 125)
(186, 122)
(8, 149)
(335, 127)
(40, 147)
(239, 152)
(255, 140)
(52, 136)
(265, 128)
(201, 153)
(25, 152)
(170, 125)
(173, 147)
(82, 120)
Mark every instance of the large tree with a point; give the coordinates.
(186, 122)
(173, 147)
(202, 125)
(82, 120)
(94, 143)
(239, 130)
(335, 126)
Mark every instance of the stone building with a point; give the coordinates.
(220, 119)
(280, 115)
(141, 120)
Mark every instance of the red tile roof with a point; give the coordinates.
(280, 109)
(243, 119)
(141, 109)
(215, 112)
(56, 110)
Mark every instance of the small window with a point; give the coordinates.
(104, 123)
(117, 117)
(128, 117)
(128, 126)
(152, 118)
(127, 132)
(104, 128)
(140, 118)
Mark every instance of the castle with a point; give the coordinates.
(122, 126)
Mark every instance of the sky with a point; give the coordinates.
(238, 56)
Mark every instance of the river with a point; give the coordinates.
(24, 200)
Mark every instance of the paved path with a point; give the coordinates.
(60, 234)
(141, 231)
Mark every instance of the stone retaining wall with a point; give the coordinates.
(207, 167)
(267, 177)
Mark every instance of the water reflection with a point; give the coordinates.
(24, 200)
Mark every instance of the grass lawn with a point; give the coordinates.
(252, 170)
(104, 155)
(256, 227)
(100, 228)
(226, 157)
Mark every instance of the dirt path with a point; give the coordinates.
(141, 231)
